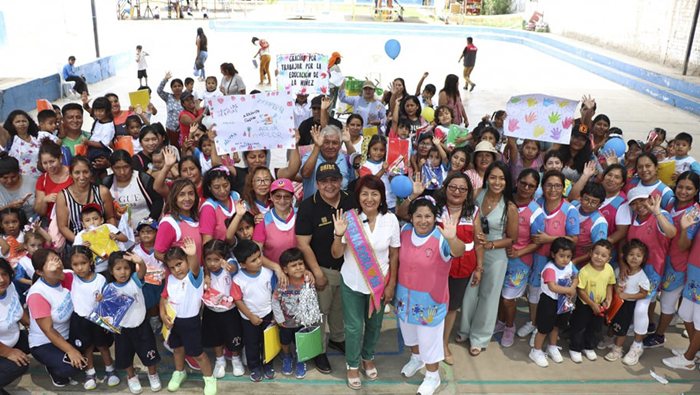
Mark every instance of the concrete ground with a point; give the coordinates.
(502, 70)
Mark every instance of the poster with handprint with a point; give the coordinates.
(540, 117)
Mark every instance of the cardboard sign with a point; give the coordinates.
(139, 98)
(253, 122)
(540, 117)
(303, 73)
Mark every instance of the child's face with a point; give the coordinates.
(434, 159)
(458, 161)
(121, 271)
(80, 265)
(189, 86)
(562, 257)
(489, 137)
(427, 95)
(377, 153)
(178, 268)
(147, 235)
(682, 147)
(185, 199)
(213, 262)
(133, 129)
(10, 224)
(91, 220)
(553, 164)
(635, 257)
(158, 161)
(498, 122)
(530, 150)
(49, 125)
(445, 118)
(245, 231)
(211, 85)
(100, 114)
(411, 108)
(404, 132)
(600, 256)
(295, 270)
(206, 148)
(671, 149)
(589, 204)
(32, 244)
(253, 264)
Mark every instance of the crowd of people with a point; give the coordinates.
(487, 219)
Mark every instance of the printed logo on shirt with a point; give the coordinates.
(555, 224)
(428, 252)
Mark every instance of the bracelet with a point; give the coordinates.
(493, 246)
(337, 235)
(479, 269)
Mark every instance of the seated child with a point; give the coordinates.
(433, 170)
(92, 220)
(252, 291)
(103, 130)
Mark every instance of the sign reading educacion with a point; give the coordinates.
(303, 73)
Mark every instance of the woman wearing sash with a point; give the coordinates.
(368, 239)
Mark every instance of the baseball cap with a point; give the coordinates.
(185, 95)
(368, 84)
(283, 184)
(95, 206)
(637, 193)
(328, 170)
(638, 143)
(579, 130)
(316, 101)
(147, 222)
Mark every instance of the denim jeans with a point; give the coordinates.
(203, 55)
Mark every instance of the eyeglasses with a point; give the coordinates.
(425, 145)
(262, 180)
(455, 188)
(282, 197)
(659, 152)
(590, 202)
(526, 185)
(557, 187)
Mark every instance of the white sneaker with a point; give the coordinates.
(238, 369)
(526, 329)
(606, 342)
(134, 385)
(220, 369)
(553, 352)
(614, 354)
(575, 356)
(412, 367)
(154, 382)
(539, 358)
(429, 385)
(682, 351)
(532, 339)
(679, 362)
(590, 355)
(633, 355)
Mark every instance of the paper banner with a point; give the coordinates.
(253, 122)
(139, 98)
(303, 73)
(540, 117)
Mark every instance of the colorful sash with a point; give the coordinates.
(366, 260)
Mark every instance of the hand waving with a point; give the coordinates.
(316, 136)
(190, 247)
(340, 222)
(589, 169)
(449, 226)
(690, 218)
(170, 158)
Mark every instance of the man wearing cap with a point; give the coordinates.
(314, 230)
(326, 148)
(314, 120)
(367, 106)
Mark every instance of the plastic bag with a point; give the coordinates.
(111, 310)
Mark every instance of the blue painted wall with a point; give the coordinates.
(24, 96)
(3, 30)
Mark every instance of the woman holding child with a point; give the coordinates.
(368, 279)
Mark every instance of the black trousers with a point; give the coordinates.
(585, 328)
(80, 85)
(10, 371)
(253, 340)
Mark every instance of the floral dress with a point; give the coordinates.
(27, 153)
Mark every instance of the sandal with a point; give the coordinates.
(354, 383)
(475, 351)
(370, 374)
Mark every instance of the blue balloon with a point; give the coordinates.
(402, 186)
(392, 48)
(617, 145)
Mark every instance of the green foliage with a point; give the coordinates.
(496, 7)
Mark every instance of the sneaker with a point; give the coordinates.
(111, 379)
(301, 370)
(176, 380)
(575, 356)
(526, 329)
(287, 364)
(472, 88)
(508, 336)
(654, 340)
(209, 385)
(154, 381)
(532, 339)
(679, 362)
(256, 375)
(539, 358)
(134, 385)
(412, 367)
(651, 328)
(59, 382)
(500, 327)
(192, 363)
(228, 354)
(633, 355)
(238, 369)
(614, 354)
(553, 352)
(269, 370)
(590, 355)
(90, 382)
(429, 385)
(682, 351)
(606, 342)
(219, 369)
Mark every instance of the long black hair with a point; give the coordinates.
(469, 204)
(507, 191)
(692, 177)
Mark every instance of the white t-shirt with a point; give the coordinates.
(137, 312)
(10, 314)
(624, 213)
(154, 267)
(102, 266)
(255, 291)
(26, 263)
(141, 58)
(45, 300)
(185, 295)
(221, 281)
(103, 133)
(634, 283)
(386, 234)
(552, 272)
(84, 293)
(132, 195)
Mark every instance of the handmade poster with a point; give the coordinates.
(216, 300)
(111, 310)
(253, 122)
(455, 132)
(397, 155)
(170, 312)
(540, 117)
(303, 73)
(666, 170)
(100, 243)
(139, 98)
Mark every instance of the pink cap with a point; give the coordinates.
(283, 184)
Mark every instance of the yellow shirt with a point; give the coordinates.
(595, 282)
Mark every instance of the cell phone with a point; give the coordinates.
(485, 225)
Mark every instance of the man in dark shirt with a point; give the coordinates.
(314, 120)
(469, 55)
(315, 234)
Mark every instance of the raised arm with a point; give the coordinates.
(420, 83)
